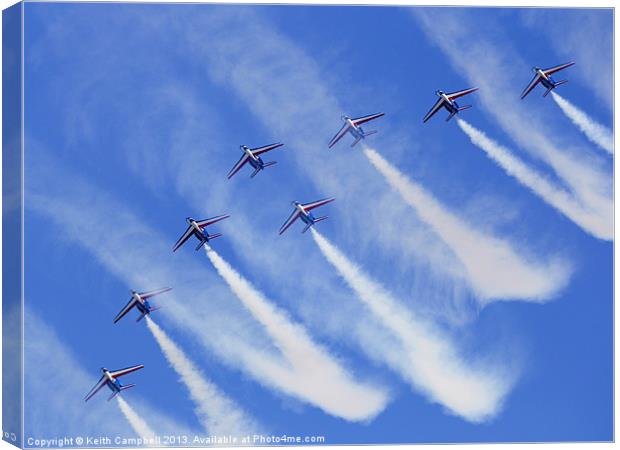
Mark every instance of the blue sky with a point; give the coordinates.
(134, 115)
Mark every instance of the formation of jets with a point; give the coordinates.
(198, 228)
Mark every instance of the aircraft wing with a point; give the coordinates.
(310, 206)
(188, 233)
(458, 94)
(530, 86)
(101, 383)
(292, 218)
(125, 310)
(265, 149)
(149, 294)
(204, 223)
(368, 118)
(436, 107)
(339, 135)
(237, 167)
(126, 370)
(555, 69)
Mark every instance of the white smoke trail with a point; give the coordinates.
(218, 414)
(563, 201)
(316, 376)
(137, 423)
(494, 269)
(594, 131)
(431, 364)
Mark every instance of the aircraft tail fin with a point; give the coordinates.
(357, 139)
(127, 386)
(451, 116)
(464, 107)
(307, 227)
(320, 219)
(558, 83)
(258, 169)
(202, 244)
(140, 317)
(114, 394)
(368, 133)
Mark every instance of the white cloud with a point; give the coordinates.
(496, 270)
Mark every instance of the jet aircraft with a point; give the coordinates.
(198, 228)
(447, 101)
(139, 300)
(251, 155)
(543, 76)
(303, 211)
(353, 126)
(110, 379)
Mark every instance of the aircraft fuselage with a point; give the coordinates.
(112, 383)
(255, 161)
(356, 131)
(450, 105)
(200, 234)
(545, 80)
(305, 216)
